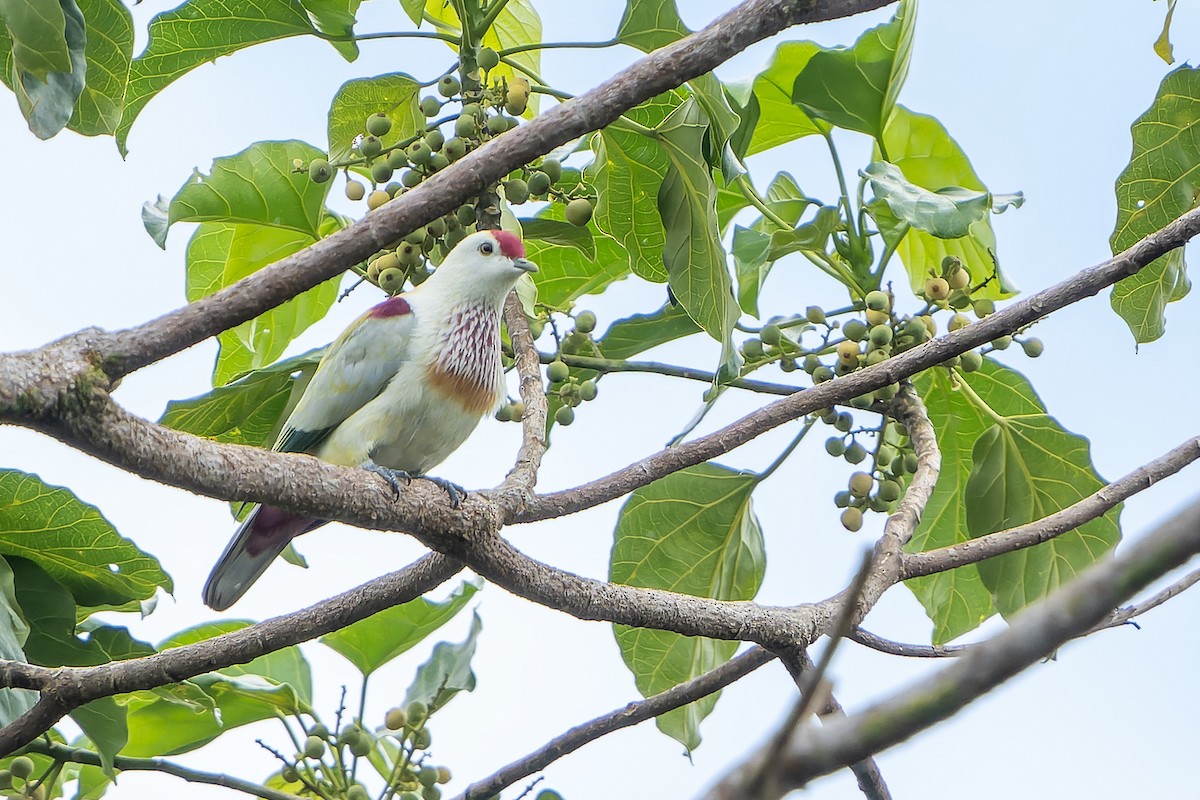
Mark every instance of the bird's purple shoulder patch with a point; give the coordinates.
(510, 244)
(392, 307)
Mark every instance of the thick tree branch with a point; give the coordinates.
(518, 485)
(66, 688)
(1036, 632)
(1083, 284)
(676, 697)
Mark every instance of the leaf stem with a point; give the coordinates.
(787, 451)
(523, 48)
(366, 37)
(978, 401)
(755, 199)
(606, 365)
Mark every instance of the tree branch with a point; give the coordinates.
(518, 485)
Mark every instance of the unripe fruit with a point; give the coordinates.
(397, 160)
(448, 86)
(539, 183)
(430, 105)
(877, 317)
(410, 178)
(381, 172)
(889, 491)
(435, 139)
(863, 401)
(465, 215)
(377, 198)
(815, 315)
(466, 127)
(427, 776)
(472, 110)
(877, 301)
(579, 212)
(516, 105)
(959, 279)
(970, 361)
(1002, 343)
(911, 462)
(422, 739)
(379, 124)
(314, 747)
(391, 280)
(951, 264)
(518, 409)
(487, 58)
(842, 499)
(811, 362)
(497, 124)
(548, 794)
(355, 190)
(844, 422)
(848, 352)
(357, 792)
(504, 413)
(958, 322)
(395, 718)
(855, 453)
(877, 356)
(557, 371)
(417, 236)
(419, 152)
(930, 324)
(360, 747)
(443, 775)
(854, 329)
(370, 146)
(852, 520)
(835, 446)
(861, 484)
(937, 289)
(822, 374)
(752, 349)
(959, 300)
(517, 191)
(984, 308)
(1033, 347)
(885, 455)
(565, 415)
(319, 730)
(289, 775)
(587, 391)
(454, 149)
(888, 392)
(552, 168)
(881, 335)
(431, 793)
(771, 334)
(585, 322)
(787, 364)
(319, 171)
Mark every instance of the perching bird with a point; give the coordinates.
(396, 393)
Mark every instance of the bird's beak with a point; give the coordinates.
(525, 265)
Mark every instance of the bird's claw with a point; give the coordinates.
(392, 476)
(456, 492)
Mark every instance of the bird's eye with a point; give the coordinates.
(486, 248)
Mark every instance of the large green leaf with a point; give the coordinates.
(171, 719)
(650, 24)
(256, 186)
(282, 666)
(692, 251)
(198, 32)
(105, 723)
(46, 97)
(779, 119)
(220, 254)
(447, 672)
(627, 172)
(13, 633)
(376, 640)
(568, 273)
(756, 248)
(856, 87)
(108, 52)
(693, 532)
(1158, 185)
(394, 94)
(930, 158)
(629, 336)
(73, 542)
(336, 18)
(947, 213)
(249, 410)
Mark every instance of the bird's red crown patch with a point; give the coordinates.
(510, 244)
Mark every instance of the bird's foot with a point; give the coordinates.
(456, 492)
(392, 476)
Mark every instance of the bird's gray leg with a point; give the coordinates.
(392, 476)
(456, 492)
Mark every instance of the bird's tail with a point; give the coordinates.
(263, 535)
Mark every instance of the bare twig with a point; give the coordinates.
(1123, 616)
(733, 670)
(868, 639)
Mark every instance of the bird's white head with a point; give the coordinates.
(484, 266)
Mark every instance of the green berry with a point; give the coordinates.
(427, 776)
(395, 718)
(1002, 343)
(503, 414)
(430, 105)
(361, 747)
(771, 334)
(855, 453)
(553, 169)
(877, 301)
(410, 178)
(314, 747)
(454, 149)
(815, 315)
(319, 730)
(319, 171)
(579, 212)
(863, 401)
(811, 362)
(885, 455)
(419, 152)
(443, 775)
(847, 352)
(876, 356)
(379, 124)
(539, 183)
(959, 279)
(835, 446)
(842, 499)
(487, 58)
(422, 738)
(861, 484)
(497, 124)
(565, 415)
(881, 335)
(911, 462)
(958, 322)
(397, 160)
(971, 361)
(984, 308)
(391, 280)
(357, 792)
(889, 491)
(377, 198)
(854, 330)
(585, 322)
(465, 215)
(370, 146)
(1033, 347)
(516, 105)
(752, 349)
(431, 793)
(557, 371)
(516, 191)
(355, 190)
(852, 520)
(381, 172)
(844, 422)
(289, 775)
(466, 126)
(822, 374)
(587, 391)
(448, 86)
(937, 289)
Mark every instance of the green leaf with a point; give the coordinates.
(13, 633)
(947, 213)
(47, 98)
(779, 119)
(73, 542)
(197, 33)
(693, 532)
(856, 88)
(248, 411)
(1158, 185)
(220, 254)
(1162, 45)
(394, 94)
(627, 172)
(108, 52)
(256, 186)
(1026, 468)
(636, 334)
(755, 249)
(650, 24)
(559, 233)
(930, 158)
(170, 719)
(376, 640)
(104, 722)
(447, 672)
(37, 30)
(750, 264)
(692, 251)
(336, 18)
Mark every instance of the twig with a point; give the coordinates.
(868, 639)
(518, 485)
(1123, 616)
(701, 686)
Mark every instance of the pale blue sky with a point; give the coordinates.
(1040, 95)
